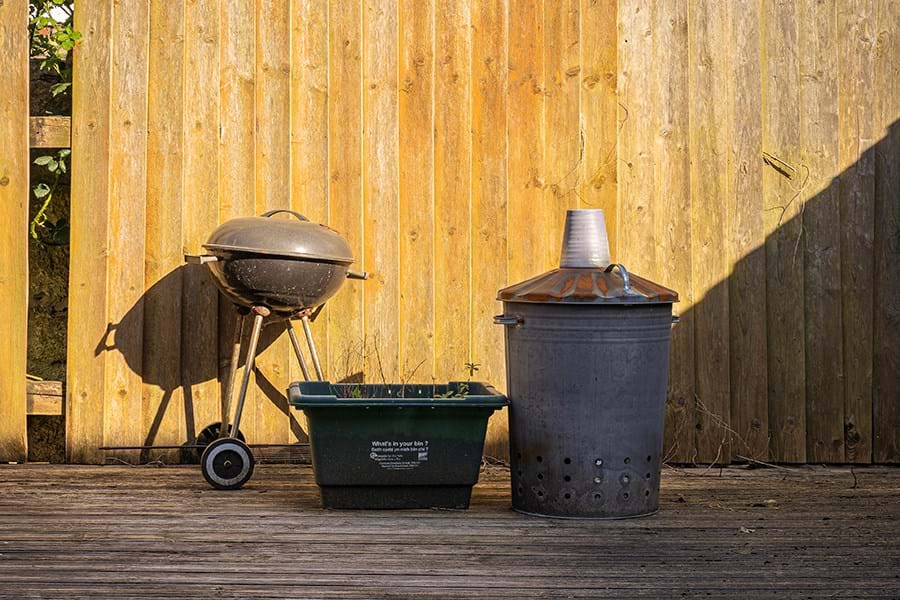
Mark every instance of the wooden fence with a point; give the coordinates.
(745, 152)
(13, 226)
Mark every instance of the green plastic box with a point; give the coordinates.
(396, 446)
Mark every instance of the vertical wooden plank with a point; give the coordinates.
(663, 250)
(309, 130)
(525, 211)
(126, 225)
(452, 202)
(416, 189)
(782, 185)
(599, 109)
(345, 209)
(489, 192)
(164, 420)
(14, 193)
(886, 367)
(199, 322)
(380, 193)
(273, 180)
(818, 35)
(745, 236)
(636, 143)
(237, 98)
(86, 377)
(856, 135)
(709, 117)
(563, 141)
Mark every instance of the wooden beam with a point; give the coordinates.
(44, 398)
(13, 226)
(50, 132)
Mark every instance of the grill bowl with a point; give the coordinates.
(283, 284)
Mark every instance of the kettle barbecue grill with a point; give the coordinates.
(277, 269)
(284, 269)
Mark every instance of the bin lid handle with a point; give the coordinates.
(626, 280)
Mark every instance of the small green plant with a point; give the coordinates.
(462, 390)
(56, 166)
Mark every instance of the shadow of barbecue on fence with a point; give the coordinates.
(177, 337)
(791, 357)
(795, 355)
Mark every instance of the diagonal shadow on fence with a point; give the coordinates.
(799, 359)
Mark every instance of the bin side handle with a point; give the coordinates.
(508, 320)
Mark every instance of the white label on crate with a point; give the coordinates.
(397, 455)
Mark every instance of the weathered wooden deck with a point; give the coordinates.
(162, 533)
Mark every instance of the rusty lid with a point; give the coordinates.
(585, 275)
(612, 285)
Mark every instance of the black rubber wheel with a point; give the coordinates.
(227, 464)
(209, 434)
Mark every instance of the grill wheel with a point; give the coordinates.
(227, 464)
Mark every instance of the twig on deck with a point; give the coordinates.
(763, 463)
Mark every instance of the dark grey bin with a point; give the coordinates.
(587, 353)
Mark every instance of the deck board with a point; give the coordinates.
(155, 532)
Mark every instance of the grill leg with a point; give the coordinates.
(296, 344)
(312, 347)
(260, 313)
(232, 374)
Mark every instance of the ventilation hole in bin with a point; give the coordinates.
(519, 455)
(567, 478)
(567, 496)
(540, 459)
(519, 489)
(626, 495)
(598, 497)
(568, 461)
(540, 475)
(540, 494)
(647, 475)
(647, 493)
(519, 473)
(627, 460)
(649, 458)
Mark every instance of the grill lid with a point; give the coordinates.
(585, 275)
(280, 237)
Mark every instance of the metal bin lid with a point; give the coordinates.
(612, 285)
(585, 275)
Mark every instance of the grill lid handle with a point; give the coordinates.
(626, 280)
(284, 210)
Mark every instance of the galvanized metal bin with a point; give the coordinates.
(587, 351)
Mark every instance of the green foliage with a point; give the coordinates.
(52, 39)
(56, 165)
